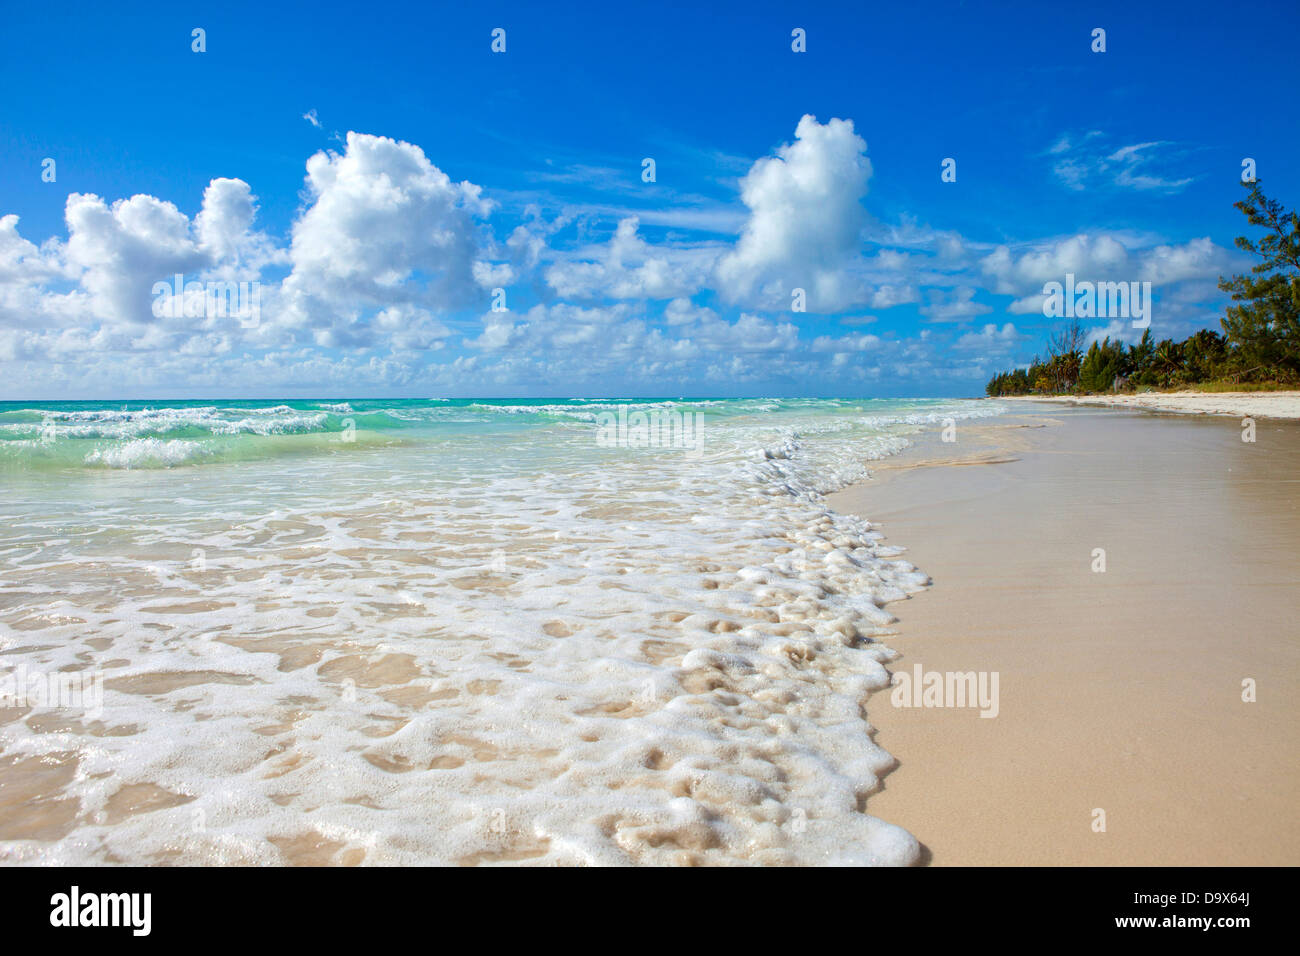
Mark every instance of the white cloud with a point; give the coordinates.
(224, 227)
(227, 215)
(682, 310)
(958, 307)
(1100, 258)
(384, 226)
(1117, 330)
(854, 342)
(120, 251)
(1082, 164)
(388, 256)
(1198, 259)
(406, 327)
(629, 268)
(888, 296)
(1084, 255)
(806, 218)
(989, 339)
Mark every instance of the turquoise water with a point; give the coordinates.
(45, 436)
(426, 631)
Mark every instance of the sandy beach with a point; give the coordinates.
(1254, 404)
(1120, 690)
(614, 655)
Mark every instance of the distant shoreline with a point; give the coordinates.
(1253, 404)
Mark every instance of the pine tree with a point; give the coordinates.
(1104, 363)
(1265, 327)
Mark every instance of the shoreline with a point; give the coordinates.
(1281, 404)
(1120, 691)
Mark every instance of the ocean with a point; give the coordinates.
(566, 631)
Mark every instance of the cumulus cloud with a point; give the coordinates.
(1199, 259)
(384, 240)
(409, 328)
(629, 268)
(1083, 255)
(225, 221)
(384, 226)
(805, 218)
(888, 296)
(1100, 258)
(680, 311)
(989, 338)
(749, 333)
(21, 261)
(854, 342)
(384, 274)
(957, 307)
(121, 250)
(803, 231)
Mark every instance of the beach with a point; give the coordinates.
(572, 632)
(1282, 404)
(1121, 690)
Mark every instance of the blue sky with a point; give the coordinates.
(471, 171)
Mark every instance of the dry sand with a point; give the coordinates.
(1254, 404)
(1119, 691)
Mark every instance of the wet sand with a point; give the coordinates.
(1120, 690)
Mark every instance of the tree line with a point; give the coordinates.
(1259, 344)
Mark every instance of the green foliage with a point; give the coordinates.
(1140, 360)
(1264, 328)
(1015, 382)
(1102, 365)
(1205, 357)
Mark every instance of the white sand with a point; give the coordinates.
(1254, 404)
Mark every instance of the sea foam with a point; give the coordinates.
(484, 646)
